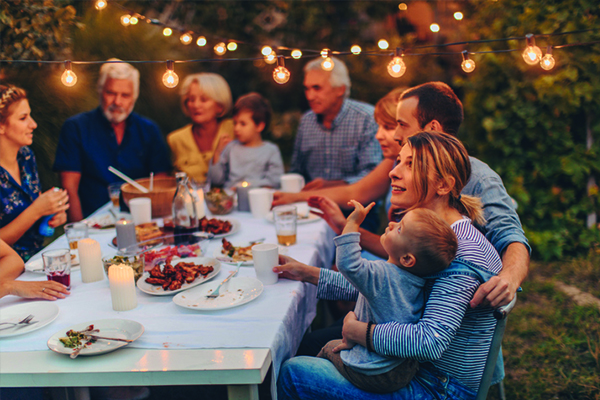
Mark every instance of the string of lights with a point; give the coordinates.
(531, 54)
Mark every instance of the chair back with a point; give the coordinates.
(501, 315)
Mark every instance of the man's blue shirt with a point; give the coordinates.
(88, 145)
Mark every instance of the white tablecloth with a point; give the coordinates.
(277, 319)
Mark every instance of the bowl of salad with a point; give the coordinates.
(219, 201)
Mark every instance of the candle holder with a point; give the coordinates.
(242, 196)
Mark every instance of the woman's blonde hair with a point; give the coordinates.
(212, 85)
(449, 159)
(385, 109)
(9, 95)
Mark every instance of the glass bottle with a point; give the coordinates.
(185, 220)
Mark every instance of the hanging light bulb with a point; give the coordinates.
(458, 16)
(548, 62)
(296, 54)
(201, 41)
(186, 38)
(396, 68)
(125, 19)
(271, 58)
(355, 49)
(402, 7)
(133, 20)
(532, 54)
(68, 77)
(170, 78)
(281, 74)
(232, 46)
(266, 50)
(101, 5)
(434, 27)
(467, 64)
(383, 44)
(220, 49)
(327, 63)
(167, 31)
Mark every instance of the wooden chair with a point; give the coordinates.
(501, 315)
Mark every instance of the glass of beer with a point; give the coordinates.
(285, 218)
(114, 191)
(75, 232)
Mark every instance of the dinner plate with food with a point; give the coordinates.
(234, 293)
(220, 227)
(232, 253)
(37, 265)
(95, 337)
(179, 274)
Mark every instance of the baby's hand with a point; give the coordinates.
(357, 216)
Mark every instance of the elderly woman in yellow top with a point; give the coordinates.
(206, 99)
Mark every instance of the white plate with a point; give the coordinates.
(44, 312)
(234, 293)
(159, 291)
(226, 259)
(235, 226)
(300, 221)
(37, 266)
(113, 328)
(102, 221)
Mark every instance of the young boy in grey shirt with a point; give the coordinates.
(421, 244)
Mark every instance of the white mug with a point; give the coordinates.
(141, 210)
(265, 257)
(260, 201)
(292, 183)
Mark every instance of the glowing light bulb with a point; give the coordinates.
(101, 5)
(383, 44)
(402, 7)
(532, 54)
(281, 75)
(355, 49)
(167, 32)
(125, 19)
(325, 53)
(201, 41)
(170, 78)
(271, 58)
(266, 50)
(296, 54)
(396, 68)
(133, 20)
(434, 27)
(458, 16)
(220, 49)
(548, 62)
(467, 64)
(186, 38)
(68, 77)
(232, 46)
(327, 64)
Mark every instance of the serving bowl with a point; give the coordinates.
(161, 195)
(219, 201)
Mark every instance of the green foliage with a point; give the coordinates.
(531, 125)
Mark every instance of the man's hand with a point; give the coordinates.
(357, 216)
(280, 198)
(353, 331)
(316, 183)
(496, 292)
(296, 271)
(344, 345)
(332, 214)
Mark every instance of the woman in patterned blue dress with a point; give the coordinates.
(22, 205)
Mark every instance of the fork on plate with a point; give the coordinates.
(24, 321)
(215, 293)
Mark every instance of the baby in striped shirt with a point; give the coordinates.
(421, 244)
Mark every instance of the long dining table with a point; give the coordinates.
(233, 347)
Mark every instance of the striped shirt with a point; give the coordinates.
(454, 337)
(347, 152)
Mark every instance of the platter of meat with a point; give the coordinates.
(178, 275)
(220, 227)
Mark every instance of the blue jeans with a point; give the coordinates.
(311, 378)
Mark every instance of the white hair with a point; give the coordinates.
(339, 74)
(212, 85)
(119, 70)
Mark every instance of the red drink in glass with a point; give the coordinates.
(60, 277)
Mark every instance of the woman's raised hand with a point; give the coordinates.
(53, 201)
(58, 219)
(332, 213)
(291, 269)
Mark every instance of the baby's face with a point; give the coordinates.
(397, 237)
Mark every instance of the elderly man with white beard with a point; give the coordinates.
(110, 135)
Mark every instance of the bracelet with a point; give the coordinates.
(369, 347)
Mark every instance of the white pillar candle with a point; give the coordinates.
(125, 234)
(90, 260)
(200, 212)
(122, 287)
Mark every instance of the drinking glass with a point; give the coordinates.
(57, 265)
(285, 218)
(114, 192)
(75, 231)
